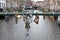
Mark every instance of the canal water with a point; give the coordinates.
(44, 30)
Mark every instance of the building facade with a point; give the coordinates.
(25, 2)
(53, 4)
(13, 3)
(17, 3)
(2, 3)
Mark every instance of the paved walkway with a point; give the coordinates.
(45, 30)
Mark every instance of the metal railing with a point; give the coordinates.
(20, 13)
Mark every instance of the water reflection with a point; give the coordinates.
(36, 20)
(27, 35)
(7, 18)
(27, 24)
(16, 20)
(27, 32)
(27, 27)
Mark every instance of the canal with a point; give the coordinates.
(44, 30)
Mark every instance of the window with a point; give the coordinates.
(2, 2)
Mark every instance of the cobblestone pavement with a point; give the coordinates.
(45, 30)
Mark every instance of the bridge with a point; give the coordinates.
(21, 13)
(54, 14)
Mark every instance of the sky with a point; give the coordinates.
(37, 0)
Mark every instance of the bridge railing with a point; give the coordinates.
(21, 13)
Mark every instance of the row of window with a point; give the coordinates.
(2, 5)
(2, 0)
